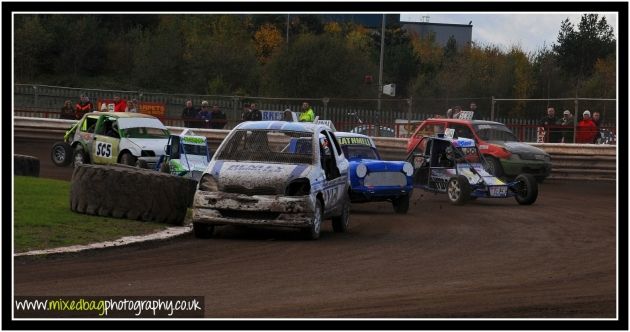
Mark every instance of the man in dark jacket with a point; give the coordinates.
(255, 115)
(189, 113)
(218, 119)
(550, 120)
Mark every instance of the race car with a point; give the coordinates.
(133, 139)
(186, 155)
(373, 179)
(456, 167)
(274, 173)
(505, 155)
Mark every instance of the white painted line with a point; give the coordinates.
(161, 235)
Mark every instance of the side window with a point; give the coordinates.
(175, 153)
(335, 142)
(91, 124)
(462, 131)
(430, 129)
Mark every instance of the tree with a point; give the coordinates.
(32, 44)
(266, 40)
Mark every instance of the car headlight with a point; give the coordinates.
(408, 169)
(361, 170)
(208, 183)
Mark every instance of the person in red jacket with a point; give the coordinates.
(82, 107)
(120, 105)
(586, 129)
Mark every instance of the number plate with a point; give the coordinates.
(498, 191)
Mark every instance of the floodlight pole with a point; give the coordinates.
(380, 69)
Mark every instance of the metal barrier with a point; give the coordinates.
(570, 161)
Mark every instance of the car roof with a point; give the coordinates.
(462, 121)
(282, 126)
(120, 115)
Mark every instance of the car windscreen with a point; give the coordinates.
(494, 132)
(273, 146)
(144, 132)
(195, 149)
(359, 152)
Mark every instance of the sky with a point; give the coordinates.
(529, 31)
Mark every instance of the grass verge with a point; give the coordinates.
(43, 219)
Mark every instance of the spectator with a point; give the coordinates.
(287, 115)
(549, 121)
(82, 107)
(132, 106)
(218, 119)
(456, 111)
(596, 121)
(449, 113)
(308, 115)
(67, 111)
(104, 107)
(567, 123)
(247, 112)
(204, 115)
(473, 109)
(120, 105)
(189, 113)
(255, 115)
(586, 129)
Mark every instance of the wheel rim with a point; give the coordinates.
(454, 190)
(317, 220)
(490, 167)
(78, 158)
(60, 154)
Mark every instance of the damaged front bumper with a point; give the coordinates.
(219, 208)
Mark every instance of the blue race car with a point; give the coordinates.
(373, 179)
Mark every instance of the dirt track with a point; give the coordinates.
(490, 258)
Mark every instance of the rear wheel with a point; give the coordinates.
(401, 204)
(458, 190)
(61, 154)
(203, 231)
(340, 223)
(526, 189)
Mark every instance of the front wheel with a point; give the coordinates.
(314, 230)
(340, 223)
(79, 157)
(61, 154)
(526, 189)
(401, 204)
(493, 166)
(128, 159)
(458, 190)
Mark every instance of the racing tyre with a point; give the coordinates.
(493, 166)
(25, 165)
(79, 157)
(313, 231)
(526, 189)
(340, 223)
(203, 231)
(61, 154)
(401, 204)
(127, 159)
(122, 191)
(458, 190)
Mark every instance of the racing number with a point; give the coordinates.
(104, 149)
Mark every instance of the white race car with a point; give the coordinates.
(274, 173)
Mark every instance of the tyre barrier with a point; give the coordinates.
(25, 165)
(129, 192)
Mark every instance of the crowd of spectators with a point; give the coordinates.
(561, 130)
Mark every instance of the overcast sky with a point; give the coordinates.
(529, 31)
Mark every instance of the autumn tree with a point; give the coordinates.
(266, 40)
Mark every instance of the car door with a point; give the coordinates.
(334, 181)
(104, 148)
(420, 159)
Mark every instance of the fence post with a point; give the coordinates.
(575, 119)
(492, 109)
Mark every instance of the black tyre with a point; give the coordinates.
(458, 190)
(61, 154)
(80, 156)
(130, 192)
(401, 204)
(313, 231)
(203, 231)
(128, 159)
(526, 189)
(493, 166)
(340, 223)
(25, 165)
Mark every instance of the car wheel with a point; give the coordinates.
(61, 154)
(401, 204)
(458, 190)
(526, 189)
(128, 159)
(493, 166)
(313, 231)
(340, 223)
(203, 231)
(79, 157)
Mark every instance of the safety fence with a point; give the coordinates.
(570, 161)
